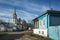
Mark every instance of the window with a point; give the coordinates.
(40, 23)
(39, 32)
(43, 22)
(42, 32)
(54, 20)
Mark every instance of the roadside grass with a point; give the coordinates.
(30, 34)
(3, 33)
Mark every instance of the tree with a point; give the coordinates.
(24, 24)
(19, 20)
(30, 25)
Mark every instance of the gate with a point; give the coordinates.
(54, 32)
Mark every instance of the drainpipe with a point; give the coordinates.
(47, 26)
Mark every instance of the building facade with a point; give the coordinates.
(48, 24)
(2, 28)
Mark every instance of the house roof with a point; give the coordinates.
(48, 11)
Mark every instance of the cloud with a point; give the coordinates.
(5, 19)
(24, 4)
(36, 8)
(13, 2)
(26, 15)
(7, 14)
(30, 10)
(44, 8)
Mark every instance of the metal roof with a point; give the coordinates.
(48, 11)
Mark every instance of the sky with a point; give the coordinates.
(26, 9)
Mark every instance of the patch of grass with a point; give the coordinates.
(3, 33)
(40, 37)
(28, 33)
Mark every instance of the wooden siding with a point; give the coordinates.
(43, 22)
(36, 23)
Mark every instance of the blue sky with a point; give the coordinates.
(25, 9)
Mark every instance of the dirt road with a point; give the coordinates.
(12, 35)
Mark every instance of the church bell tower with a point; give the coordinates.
(14, 17)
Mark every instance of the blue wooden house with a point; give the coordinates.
(48, 24)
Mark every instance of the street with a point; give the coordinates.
(12, 36)
(24, 35)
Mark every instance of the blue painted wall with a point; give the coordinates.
(41, 21)
(54, 32)
(54, 26)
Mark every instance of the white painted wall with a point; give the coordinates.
(2, 28)
(42, 32)
(36, 31)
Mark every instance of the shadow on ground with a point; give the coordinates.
(11, 36)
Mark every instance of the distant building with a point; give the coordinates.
(2, 28)
(14, 19)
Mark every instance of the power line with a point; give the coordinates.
(50, 4)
